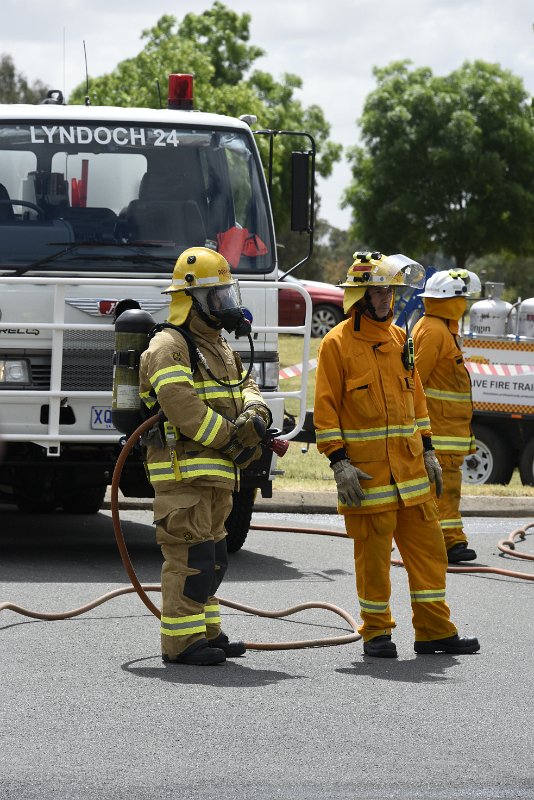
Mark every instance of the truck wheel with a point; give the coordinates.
(84, 501)
(238, 521)
(324, 318)
(526, 464)
(493, 461)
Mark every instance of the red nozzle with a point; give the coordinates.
(279, 446)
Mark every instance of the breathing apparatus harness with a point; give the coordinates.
(196, 356)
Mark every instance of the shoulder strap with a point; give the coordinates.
(191, 344)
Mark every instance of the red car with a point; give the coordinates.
(327, 303)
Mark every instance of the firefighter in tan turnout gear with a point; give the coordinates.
(371, 421)
(447, 385)
(215, 420)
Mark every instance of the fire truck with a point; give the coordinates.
(499, 355)
(96, 204)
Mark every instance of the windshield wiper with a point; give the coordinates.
(73, 245)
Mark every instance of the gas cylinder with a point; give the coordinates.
(132, 327)
(526, 318)
(488, 317)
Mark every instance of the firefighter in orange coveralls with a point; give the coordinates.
(215, 420)
(447, 385)
(371, 421)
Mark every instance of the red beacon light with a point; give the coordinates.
(180, 92)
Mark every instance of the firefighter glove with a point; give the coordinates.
(347, 477)
(241, 456)
(433, 470)
(251, 427)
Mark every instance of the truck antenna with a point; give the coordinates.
(87, 100)
(159, 92)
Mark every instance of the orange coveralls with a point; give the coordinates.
(447, 386)
(368, 403)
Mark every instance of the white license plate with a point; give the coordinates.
(101, 418)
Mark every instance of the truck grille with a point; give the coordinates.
(87, 364)
(87, 361)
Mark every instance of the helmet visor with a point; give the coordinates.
(216, 299)
(409, 272)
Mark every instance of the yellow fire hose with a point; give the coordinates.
(506, 546)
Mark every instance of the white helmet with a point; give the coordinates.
(452, 283)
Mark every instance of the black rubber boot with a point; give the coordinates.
(380, 647)
(199, 654)
(457, 645)
(231, 649)
(460, 552)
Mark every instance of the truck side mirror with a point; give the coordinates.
(300, 192)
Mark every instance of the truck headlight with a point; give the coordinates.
(265, 373)
(270, 380)
(14, 370)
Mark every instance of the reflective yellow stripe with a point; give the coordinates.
(209, 390)
(213, 614)
(160, 471)
(373, 606)
(413, 488)
(423, 422)
(328, 435)
(174, 374)
(378, 495)
(452, 397)
(201, 466)
(462, 444)
(191, 468)
(183, 626)
(148, 399)
(447, 524)
(371, 434)
(209, 428)
(428, 596)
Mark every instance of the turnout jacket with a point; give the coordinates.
(446, 381)
(199, 411)
(368, 403)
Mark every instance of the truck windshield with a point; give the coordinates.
(86, 198)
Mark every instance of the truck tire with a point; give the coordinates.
(324, 318)
(493, 461)
(526, 464)
(87, 500)
(238, 521)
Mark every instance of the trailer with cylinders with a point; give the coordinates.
(498, 349)
(96, 204)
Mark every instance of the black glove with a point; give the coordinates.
(252, 424)
(241, 456)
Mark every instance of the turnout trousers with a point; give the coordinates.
(448, 504)
(192, 538)
(417, 534)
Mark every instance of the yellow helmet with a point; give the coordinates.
(375, 269)
(197, 271)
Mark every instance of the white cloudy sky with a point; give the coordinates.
(331, 44)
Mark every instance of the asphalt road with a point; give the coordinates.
(88, 710)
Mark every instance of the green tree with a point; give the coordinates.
(14, 87)
(447, 163)
(214, 46)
